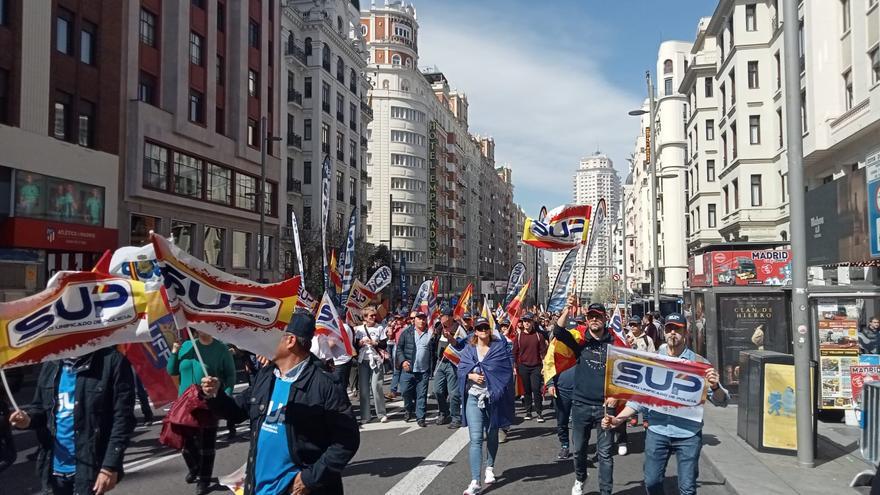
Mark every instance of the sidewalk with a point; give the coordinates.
(747, 471)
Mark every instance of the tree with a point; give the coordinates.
(603, 293)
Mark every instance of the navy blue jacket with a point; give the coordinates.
(498, 370)
(322, 433)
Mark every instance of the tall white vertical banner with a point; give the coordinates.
(325, 212)
(299, 258)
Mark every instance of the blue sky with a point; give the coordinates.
(552, 80)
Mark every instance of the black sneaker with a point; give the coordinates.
(421, 423)
(203, 488)
(443, 419)
(407, 417)
(563, 454)
(190, 478)
(454, 425)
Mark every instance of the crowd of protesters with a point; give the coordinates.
(304, 430)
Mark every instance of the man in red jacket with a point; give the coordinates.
(529, 348)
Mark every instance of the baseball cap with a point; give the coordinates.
(468, 316)
(528, 317)
(420, 314)
(597, 308)
(481, 322)
(446, 311)
(504, 323)
(676, 319)
(302, 325)
(635, 321)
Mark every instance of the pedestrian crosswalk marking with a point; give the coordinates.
(431, 466)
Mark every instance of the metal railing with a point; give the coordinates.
(340, 155)
(297, 53)
(294, 140)
(294, 96)
(366, 110)
(294, 185)
(364, 141)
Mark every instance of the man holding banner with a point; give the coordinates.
(675, 415)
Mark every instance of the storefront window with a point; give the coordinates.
(141, 226)
(51, 198)
(214, 251)
(267, 252)
(183, 235)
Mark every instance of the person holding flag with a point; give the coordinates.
(445, 377)
(415, 347)
(674, 430)
(588, 396)
(304, 429)
(83, 412)
(529, 349)
(485, 380)
(371, 337)
(637, 338)
(560, 387)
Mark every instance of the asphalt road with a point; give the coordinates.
(395, 457)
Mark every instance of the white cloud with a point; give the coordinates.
(546, 106)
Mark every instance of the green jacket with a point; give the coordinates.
(217, 358)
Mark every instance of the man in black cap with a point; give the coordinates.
(304, 430)
(588, 397)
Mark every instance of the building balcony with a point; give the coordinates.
(366, 110)
(295, 97)
(363, 141)
(340, 116)
(340, 155)
(364, 175)
(363, 209)
(353, 162)
(294, 185)
(353, 201)
(297, 54)
(325, 106)
(294, 140)
(353, 125)
(325, 148)
(286, 233)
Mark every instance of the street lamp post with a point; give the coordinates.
(265, 139)
(655, 248)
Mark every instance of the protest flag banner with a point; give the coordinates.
(346, 258)
(514, 282)
(295, 228)
(335, 278)
(464, 302)
(325, 212)
(360, 297)
(560, 286)
(559, 356)
(616, 327)
(433, 303)
(381, 278)
(305, 300)
(656, 381)
(487, 314)
(421, 300)
(330, 329)
(595, 230)
(77, 313)
(404, 285)
(246, 314)
(565, 228)
(514, 309)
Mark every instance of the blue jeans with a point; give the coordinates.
(583, 419)
(414, 388)
(446, 390)
(563, 413)
(658, 449)
(395, 376)
(478, 422)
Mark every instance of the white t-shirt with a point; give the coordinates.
(369, 353)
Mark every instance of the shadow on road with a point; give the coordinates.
(384, 468)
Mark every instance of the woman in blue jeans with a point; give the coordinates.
(485, 381)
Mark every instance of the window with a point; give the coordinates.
(266, 255)
(724, 150)
(241, 244)
(779, 127)
(707, 83)
(395, 60)
(196, 44)
(340, 146)
(667, 86)
(409, 114)
(307, 46)
(221, 70)
(778, 70)
(845, 16)
(307, 87)
(801, 45)
(183, 233)
(307, 217)
(710, 129)
(804, 127)
(735, 183)
(325, 56)
(756, 190)
(214, 241)
(325, 97)
(733, 141)
(155, 166)
(219, 184)
(751, 21)
(340, 186)
(221, 17)
(4, 96)
(307, 129)
(723, 101)
(726, 195)
(62, 116)
(148, 27)
(269, 198)
(875, 65)
(220, 121)
(245, 192)
(87, 43)
(325, 138)
(732, 87)
(754, 129)
(253, 134)
(307, 172)
(253, 34)
(196, 107)
(352, 188)
(407, 137)
(712, 215)
(753, 74)
(86, 124)
(253, 83)
(340, 70)
(667, 66)
(340, 107)
(64, 32)
(847, 90)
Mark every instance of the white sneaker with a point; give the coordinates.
(490, 475)
(578, 488)
(473, 488)
(383, 419)
(622, 449)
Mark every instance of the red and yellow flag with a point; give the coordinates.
(559, 356)
(514, 309)
(335, 278)
(464, 302)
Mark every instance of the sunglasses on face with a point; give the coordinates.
(369, 316)
(595, 317)
(482, 329)
(673, 329)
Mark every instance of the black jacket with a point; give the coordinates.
(589, 379)
(103, 417)
(406, 347)
(7, 445)
(322, 433)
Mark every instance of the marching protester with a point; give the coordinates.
(398, 323)
(370, 336)
(676, 434)
(529, 348)
(303, 426)
(588, 396)
(200, 444)
(485, 380)
(143, 400)
(7, 443)
(560, 388)
(83, 415)
(414, 350)
(445, 378)
(637, 338)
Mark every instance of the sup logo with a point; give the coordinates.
(658, 381)
(81, 307)
(562, 229)
(199, 297)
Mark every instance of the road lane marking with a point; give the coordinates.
(150, 459)
(145, 465)
(419, 478)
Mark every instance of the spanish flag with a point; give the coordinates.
(514, 309)
(335, 278)
(464, 302)
(487, 314)
(559, 356)
(451, 353)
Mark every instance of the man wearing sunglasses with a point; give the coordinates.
(674, 434)
(588, 396)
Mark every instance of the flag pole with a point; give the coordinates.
(198, 353)
(8, 390)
